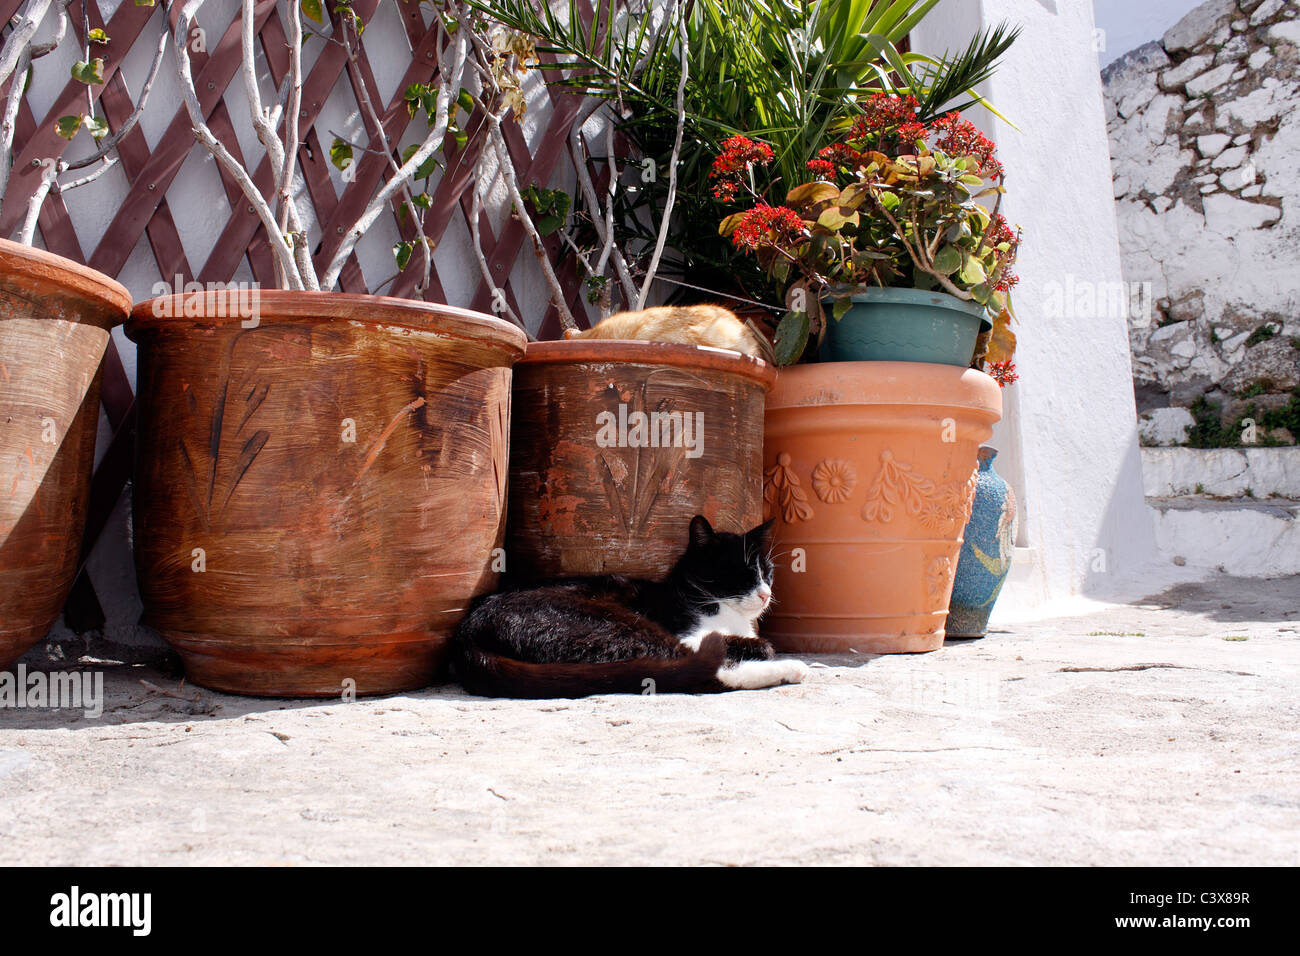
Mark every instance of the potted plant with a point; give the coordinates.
(871, 452)
(320, 477)
(652, 76)
(56, 317)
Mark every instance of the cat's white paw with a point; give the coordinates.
(752, 675)
(798, 671)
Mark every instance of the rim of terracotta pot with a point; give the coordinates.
(824, 384)
(319, 307)
(651, 353)
(41, 267)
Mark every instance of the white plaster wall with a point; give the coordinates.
(1246, 538)
(1072, 414)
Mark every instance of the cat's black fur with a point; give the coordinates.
(610, 634)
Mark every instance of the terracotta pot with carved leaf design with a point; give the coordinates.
(869, 471)
(319, 486)
(585, 501)
(55, 320)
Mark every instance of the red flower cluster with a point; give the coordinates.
(766, 225)
(821, 168)
(911, 132)
(959, 137)
(840, 156)
(885, 113)
(1004, 373)
(738, 154)
(1000, 231)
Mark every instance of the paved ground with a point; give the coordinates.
(1164, 732)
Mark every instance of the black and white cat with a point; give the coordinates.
(694, 632)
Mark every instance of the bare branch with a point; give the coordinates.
(109, 163)
(448, 88)
(60, 31)
(18, 45)
(683, 57)
(353, 42)
(111, 143)
(498, 141)
(603, 221)
(27, 231)
(284, 255)
(475, 210)
(10, 122)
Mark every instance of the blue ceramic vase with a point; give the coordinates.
(986, 551)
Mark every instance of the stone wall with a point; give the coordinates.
(1204, 129)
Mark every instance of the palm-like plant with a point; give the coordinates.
(786, 72)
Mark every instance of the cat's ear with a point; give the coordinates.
(763, 532)
(701, 532)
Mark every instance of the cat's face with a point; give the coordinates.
(734, 570)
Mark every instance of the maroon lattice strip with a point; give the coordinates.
(45, 142)
(148, 189)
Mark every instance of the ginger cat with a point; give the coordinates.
(709, 325)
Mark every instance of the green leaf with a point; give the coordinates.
(466, 101)
(340, 154)
(312, 10)
(426, 168)
(98, 36)
(811, 193)
(791, 337)
(841, 308)
(145, 3)
(424, 200)
(972, 272)
(344, 10)
(98, 128)
(947, 260)
(402, 253)
(728, 225)
(836, 218)
(89, 73)
(67, 126)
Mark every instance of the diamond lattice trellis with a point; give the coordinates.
(150, 173)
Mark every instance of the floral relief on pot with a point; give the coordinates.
(834, 480)
(939, 507)
(782, 489)
(938, 576)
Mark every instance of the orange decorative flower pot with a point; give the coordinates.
(869, 470)
(55, 320)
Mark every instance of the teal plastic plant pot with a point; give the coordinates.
(904, 325)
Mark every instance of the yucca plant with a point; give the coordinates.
(786, 72)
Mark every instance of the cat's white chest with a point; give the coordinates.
(727, 620)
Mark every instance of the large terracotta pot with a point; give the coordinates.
(55, 322)
(869, 470)
(317, 496)
(581, 503)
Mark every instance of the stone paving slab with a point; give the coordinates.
(1163, 732)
